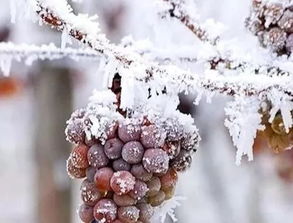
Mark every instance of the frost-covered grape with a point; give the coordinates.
(182, 161)
(128, 214)
(169, 192)
(111, 131)
(172, 149)
(275, 38)
(139, 191)
(79, 156)
(96, 156)
(102, 179)
(122, 182)
(140, 172)
(86, 213)
(151, 137)
(129, 132)
(169, 179)
(121, 164)
(156, 161)
(105, 211)
(286, 22)
(273, 12)
(154, 186)
(89, 193)
(132, 152)
(157, 199)
(75, 131)
(113, 148)
(73, 171)
(124, 200)
(90, 173)
(146, 212)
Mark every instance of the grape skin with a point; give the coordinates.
(129, 132)
(156, 161)
(124, 200)
(122, 182)
(132, 152)
(89, 193)
(129, 214)
(146, 212)
(139, 191)
(73, 171)
(141, 173)
(79, 156)
(102, 179)
(121, 164)
(86, 213)
(105, 211)
(97, 157)
(113, 148)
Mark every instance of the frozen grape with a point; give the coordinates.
(121, 164)
(90, 174)
(102, 179)
(86, 213)
(157, 199)
(79, 156)
(113, 148)
(128, 214)
(154, 186)
(140, 172)
(146, 212)
(124, 200)
(112, 130)
(172, 149)
(169, 179)
(122, 182)
(286, 22)
(151, 137)
(182, 161)
(156, 161)
(75, 131)
(139, 191)
(129, 132)
(89, 193)
(169, 192)
(132, 152)
(105, 211)
(90, 142)
(96, 156)
(73, 171)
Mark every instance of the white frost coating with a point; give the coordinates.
(5, 65)
(243, 121)
(167, 209)
(65, 39)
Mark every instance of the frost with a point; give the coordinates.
(5, 64)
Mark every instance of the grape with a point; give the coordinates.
(151, 137)
(97, 157)
(113, 148)
(172, 149)
(286, 22)
(89, 193)
(124, 200)
(139, 191)
(146, 212)
(156, 161)
(140, 172)
(112, 130)
(73, 171)
(132, 152)
(75, 131)
(182, 161)
(157, 199)
(90, 173)
(289, 43)
(79, 156)
(169, 192)
(86, 213)
(154, 186)
(122, 182)
(90, 142)
(169, 179)
(128, 214)
(129, 132)
(105, 211)
(121, 164)
(102, 179)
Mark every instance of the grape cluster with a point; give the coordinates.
(272, 23)
(130, 169)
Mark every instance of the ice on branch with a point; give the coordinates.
(243, 121)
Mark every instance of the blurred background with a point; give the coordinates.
(36, 101)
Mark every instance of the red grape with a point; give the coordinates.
(128, 214)
(97, 157)
(146, 212)
(73, 171)
(79, 156)
(129, 132)
(124, 200)
(89, 193)
(140, 172)
(132, 152)
(102, 179)
(169, 179)
(154, 186)
(122, 182)
(121, 164)
(113, 148)
(90, 173)
(139, 191)
(105, 211)
(112, 130)
(86, 213)
(156, 161)
(151, 137)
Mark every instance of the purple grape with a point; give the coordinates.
(89, 193)
(151, 137)
(132, 152)
(124, 200)
(102, 179)
(154, 186)
(121, 164)
(86, 213)
(105, 211)
(97, 157)
(182, 161)
(156, 161)
(113, 148)
(139, 191)
(75, 131)
(122, 182)
(129, 132)
(90, 173)
(128, 214)
(140, 172)
(79, 156)
(146, 212)
(73, 171)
